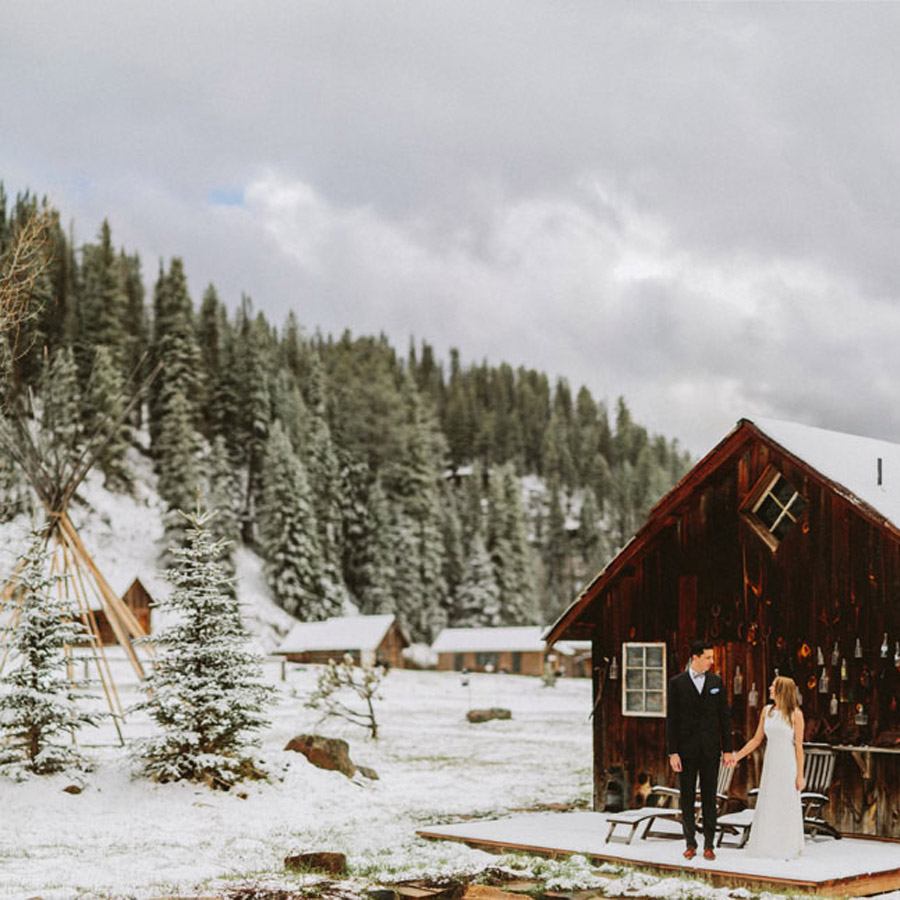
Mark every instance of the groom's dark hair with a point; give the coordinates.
(697, 647)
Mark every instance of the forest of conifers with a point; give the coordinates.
(395, 481)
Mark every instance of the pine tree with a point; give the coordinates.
(62, 437)
(178, 460)
(377, 575)
(205, 693)
(515, 575)
(325, 480)
(592, 544)
(104, 409)
(223, 494)
(39, 715)
(454, 547)
(289, 533)
(556, 553)
(477, 602)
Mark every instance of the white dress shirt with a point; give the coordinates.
(699, 679)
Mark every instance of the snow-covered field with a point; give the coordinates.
(126, 836)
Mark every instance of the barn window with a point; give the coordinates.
(644, 679)
(773, 507)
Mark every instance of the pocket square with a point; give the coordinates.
(714, 690)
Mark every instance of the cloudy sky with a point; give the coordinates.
(693, 205)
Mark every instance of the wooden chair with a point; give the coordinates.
(673, 797)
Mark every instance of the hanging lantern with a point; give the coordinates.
(820, 657)
(861, 717)
(753, 696)
(885, 647)
(823, 681)
(857, 650)
(835, 654)
(614, 670)
(738, 682)
(833, 705)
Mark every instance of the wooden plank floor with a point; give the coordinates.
(845, 868)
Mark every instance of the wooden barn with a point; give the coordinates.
(782, 548)
(138, 600)
(369, 640)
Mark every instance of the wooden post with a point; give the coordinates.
(598, 672)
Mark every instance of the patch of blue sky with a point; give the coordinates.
(226, 196)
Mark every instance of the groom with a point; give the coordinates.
(698, 730)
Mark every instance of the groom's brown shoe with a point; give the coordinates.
(708, 853)
(690, 853)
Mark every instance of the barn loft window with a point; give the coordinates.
(773, 507)
(644, 680)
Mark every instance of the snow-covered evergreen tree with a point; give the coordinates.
(205, 693)
(289, 535)
(178, 449)
(39, 711)
(477, 602)
(61, 436)
(223, 494)
(104, 407)
(509, 549)
(376, 577)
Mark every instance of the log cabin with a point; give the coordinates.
(782, 548)
(370, 640)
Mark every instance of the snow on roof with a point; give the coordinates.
(846, 459)
(339, 633)
(519, 639)
(572, 648)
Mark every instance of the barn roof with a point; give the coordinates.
(848, 463)
(517, 639)
(339, 633)
(848, 460)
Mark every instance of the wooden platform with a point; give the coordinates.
(851, 867)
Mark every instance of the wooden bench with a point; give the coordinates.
(633, 819)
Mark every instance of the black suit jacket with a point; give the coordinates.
(698, 724)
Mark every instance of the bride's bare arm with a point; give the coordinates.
(756, 740)
(798, 748)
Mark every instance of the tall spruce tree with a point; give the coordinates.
(205, 693)
(62, 436)
(289, 535)
(39, 708)
(376, 577)
(477, 600)
(178, 461)
(104, 414)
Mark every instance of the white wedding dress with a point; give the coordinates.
(777, 830)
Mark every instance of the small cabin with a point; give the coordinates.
(137, 598)
(518, 650)
(781, 547)
(370, 640)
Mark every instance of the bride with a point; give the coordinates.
(777, 829)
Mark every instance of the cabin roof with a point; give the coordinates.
(517, 639)
(339, 633)
(848, 463)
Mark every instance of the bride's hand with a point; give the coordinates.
(800, 782)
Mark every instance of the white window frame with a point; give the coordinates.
(625, 669)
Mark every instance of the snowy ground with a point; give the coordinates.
(126, 836)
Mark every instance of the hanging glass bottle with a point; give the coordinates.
(738, 682)
(885, 646)
(833, 705)
(835, 654)
(844, 675)
(857, 650)
(753, 696)
(820, 657)
(823, 681)
(614, 670)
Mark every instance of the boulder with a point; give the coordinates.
(326, 753)
(332, 863)
(73, 788)
(366, 772)
(485, 715)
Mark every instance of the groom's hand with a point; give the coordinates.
(730, 760)
(675, 762)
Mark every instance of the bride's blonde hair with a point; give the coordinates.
(786, 696)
